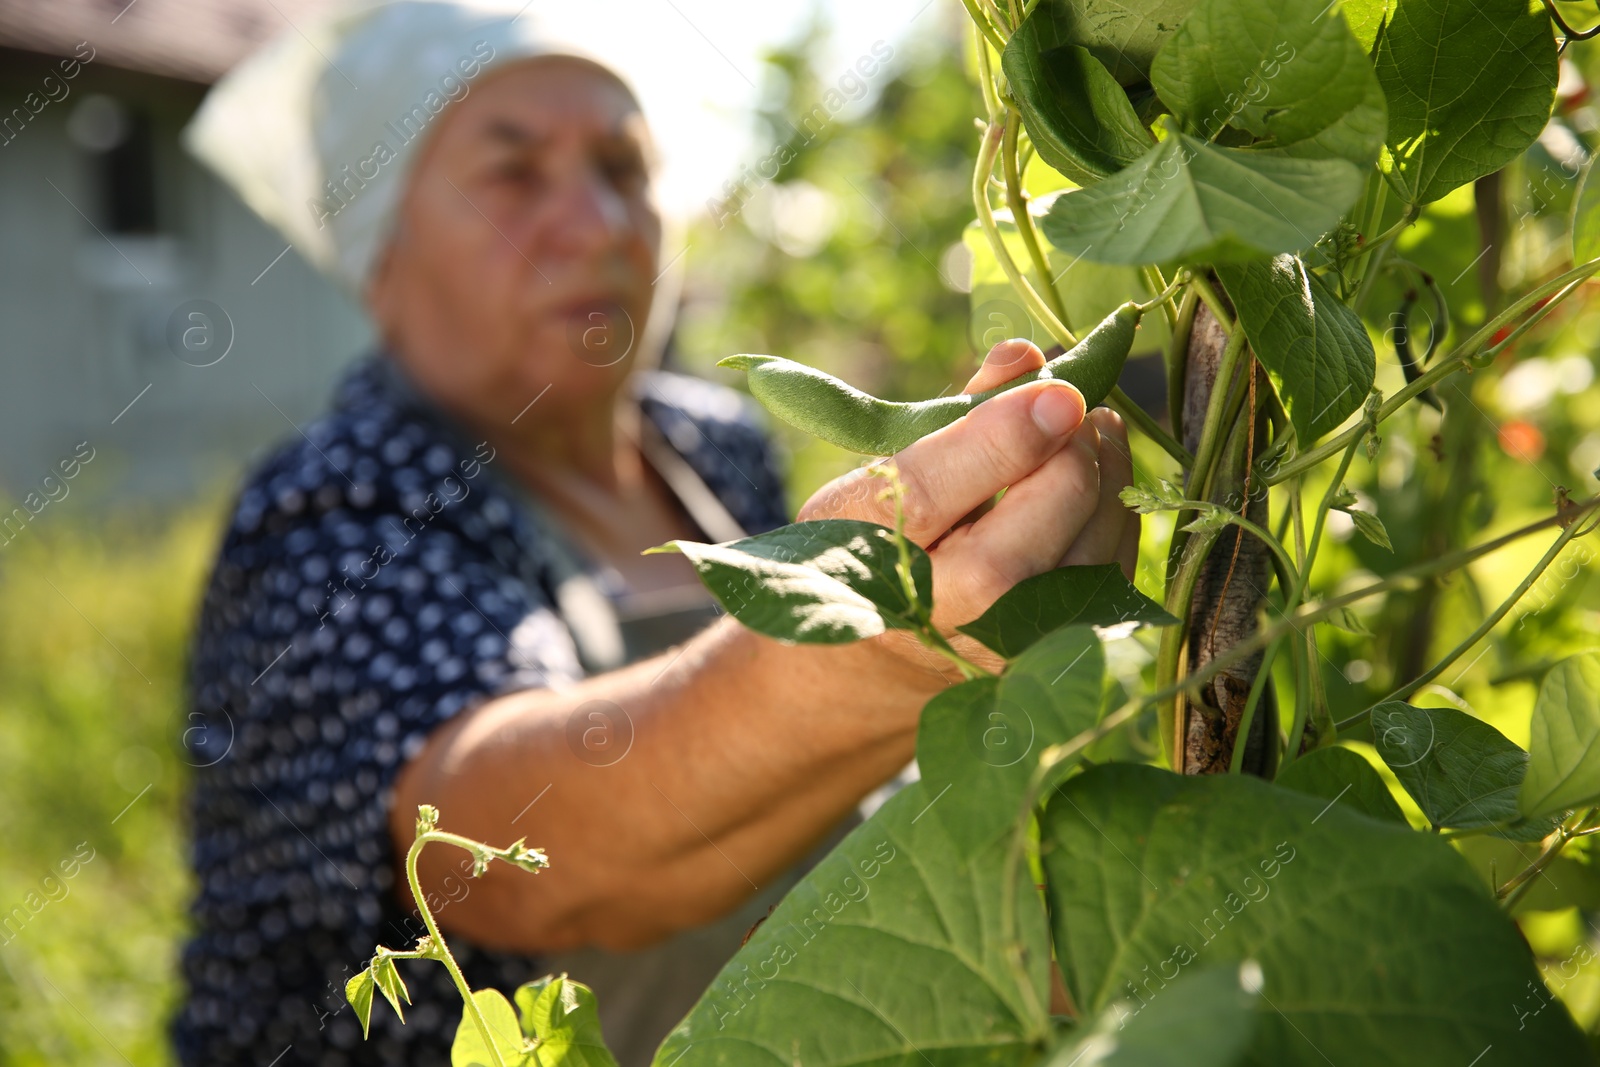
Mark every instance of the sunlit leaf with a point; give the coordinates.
(824, 582)
(469, 1049)
(1469, 87)
(1186, 200)
(358, 991)
(564, 1017)
(1564, 757)
(1287, 71)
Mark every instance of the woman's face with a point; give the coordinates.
(527, 244)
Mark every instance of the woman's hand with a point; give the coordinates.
(1061, 472)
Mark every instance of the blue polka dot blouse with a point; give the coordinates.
(378, 576)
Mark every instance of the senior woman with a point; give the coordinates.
(435, 594)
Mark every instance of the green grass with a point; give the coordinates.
(94, 619)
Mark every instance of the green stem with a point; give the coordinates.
(1212, 430)
(1246, 720)
(1179, 592)
(1457, 359)
(1162, 293)
(1519, 886)
(438, 939)
(986, 28)
(1018, 201)
(1132, 413)
(1489, 623)
(1176, 358)
(980, 201)
(1203, 287)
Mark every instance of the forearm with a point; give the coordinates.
(744, 753)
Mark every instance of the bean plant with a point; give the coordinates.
(1199, 869)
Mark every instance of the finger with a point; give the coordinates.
(1026, 533)
(1102, 536)
(953, 470)
(1005, 361)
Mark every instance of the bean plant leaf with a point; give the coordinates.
(1463, 773)
(1366, 19)
(824, 582)
(1376, 944)
(1078, 117)
(1564, 757)
(1586, 217)
(1371, 527)
(1469, 86)
(390, 984)
(563, 1015)
(469, 1049)
(1186, 200)
(1205, 1019)
(1287, 71)
(358, 991)
(1088, 595)
(890, 949)
(1124, 36)
(1338, 774)
(1315, 348)
(979, 743)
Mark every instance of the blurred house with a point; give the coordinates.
(147, 319)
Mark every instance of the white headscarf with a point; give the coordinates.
(318, 130)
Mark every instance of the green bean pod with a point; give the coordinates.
(841, 414)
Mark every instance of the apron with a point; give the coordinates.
(641, 994)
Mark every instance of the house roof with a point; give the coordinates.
(193, 40)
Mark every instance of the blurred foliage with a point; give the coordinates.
(849, 259)
(95, 613)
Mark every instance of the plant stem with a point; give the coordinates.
(984, 27)
(1132, 413)
(1519, 886)
(980, 201)
(1483, 629)
(1018, 201)
(1203, 289)
(1176, 359)
(1179, 591)
(1212, 430)
(438, 939)
(1161, 291)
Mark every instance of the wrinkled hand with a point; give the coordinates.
(1061, 472)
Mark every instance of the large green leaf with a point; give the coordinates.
(1205, 1020)
(469, 1049)
(1366, 19)
(1337, 774)
(1124, 34)
(1078, 117)
(1287, 71)
(890, 951)
(1463, 773)
(823, 582)
(1089, 595)
(563, 1015)
(1564, 763)
(1469, 87)
(1376, 943)
(1187, 200)
(979, 742)
(1315, 348)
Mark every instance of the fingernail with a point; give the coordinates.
(1058, 409)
